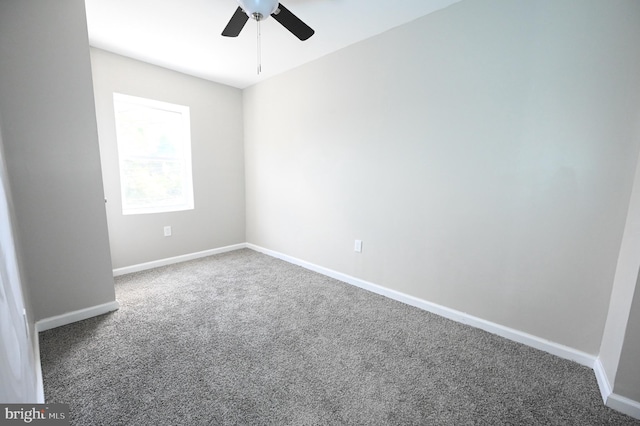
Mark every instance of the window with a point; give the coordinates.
(154, 150)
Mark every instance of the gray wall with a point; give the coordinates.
(51, 147)
(484, 154)
(218, 219)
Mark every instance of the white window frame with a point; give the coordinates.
(120, 99)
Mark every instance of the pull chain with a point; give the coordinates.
(258, 18)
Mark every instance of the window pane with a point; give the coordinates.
(150, 182)
(155, 155)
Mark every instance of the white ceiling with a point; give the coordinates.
(184, 35)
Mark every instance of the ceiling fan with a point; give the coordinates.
(260, 10)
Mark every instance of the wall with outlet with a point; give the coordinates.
(485, 154)
(217, 162)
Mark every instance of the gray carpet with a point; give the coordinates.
(242, 338)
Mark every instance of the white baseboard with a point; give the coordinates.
(79, 315)
(624, 405)
(461, 317)
(39, 378)
(176, 259)
(611, 399)
(603, 380)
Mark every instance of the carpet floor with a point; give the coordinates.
(241, 338)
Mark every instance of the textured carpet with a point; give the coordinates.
(242, 338)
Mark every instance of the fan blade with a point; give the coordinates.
(236, 23)
(292, 23)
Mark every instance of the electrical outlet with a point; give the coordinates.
(167, 231)
(358, 246)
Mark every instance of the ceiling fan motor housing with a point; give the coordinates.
(261, 10)
(262, 7)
